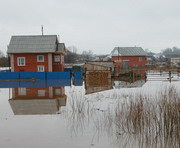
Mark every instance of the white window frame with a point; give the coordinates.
(57, 91)
(135, 65)
(22, 91)
(40, 66)
(41, 93)
(40, 56)
(57, 58)
(140, 59)
(19, 64)
(63, 91)
(62, 58)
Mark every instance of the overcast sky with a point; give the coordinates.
(97, 25)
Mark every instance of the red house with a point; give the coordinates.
(127, 58)
(36, 53)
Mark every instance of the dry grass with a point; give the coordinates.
(139, 120)
(151, 123)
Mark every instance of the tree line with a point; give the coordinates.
(72, 56)
(171, 52)
(4, 62)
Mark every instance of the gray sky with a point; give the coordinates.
(97, 25)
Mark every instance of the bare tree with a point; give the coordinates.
(3, 60)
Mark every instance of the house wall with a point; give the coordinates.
(133, 60)
(31, 63)
(58, 66)
(32, 93)
(175, 60)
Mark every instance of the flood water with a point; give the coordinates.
(81, 116)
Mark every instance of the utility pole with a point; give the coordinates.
(42, 30)
(118, 61)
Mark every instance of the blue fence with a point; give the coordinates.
(59, 82)
(39, 83)
(77, 75)
(29, 84)
(78, 82)
(30, 75)
(9, 75)
(42, 79)
(68, 69)
(35, 75)
(9, 84)
(58, 75)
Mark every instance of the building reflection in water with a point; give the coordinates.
(40, 100)
(126, 84)
(130, 81)
(97, 82)
(101, 81)
(48, 97)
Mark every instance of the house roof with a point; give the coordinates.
(35, 106)
(128, 51)
(102, 63)
(35, 44)
(61, 47)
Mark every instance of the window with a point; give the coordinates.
(135, 65)
(57, 91)
(40, 58)
(62, 59)
(40, 68)
(63, 90)
(140, 59)
(22, 91)
(21, 61)
(41, 93)
(57, 58)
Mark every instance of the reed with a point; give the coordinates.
(154, 121)
(144, 121)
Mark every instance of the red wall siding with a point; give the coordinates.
(30, 62)
(62, 91)
(58, 66)
(132, 61)
(31, 93)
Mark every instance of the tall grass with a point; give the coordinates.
(137, 120)
(152, 123)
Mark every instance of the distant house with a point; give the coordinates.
(175, 60)
(36, 53)
(128, 58)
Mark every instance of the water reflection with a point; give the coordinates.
(101, 81)
(94, 85)
(127, 84)
(42, 100)
(130, 120)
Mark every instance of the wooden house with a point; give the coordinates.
(96, 67)
(36, 53)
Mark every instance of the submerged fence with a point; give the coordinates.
(34, 75)
(38, 79)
